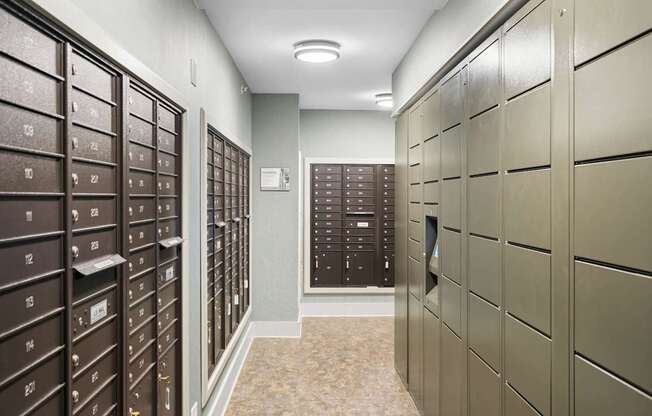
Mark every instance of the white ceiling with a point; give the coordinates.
(374, 34)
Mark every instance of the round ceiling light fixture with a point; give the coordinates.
(385, 100)
(317, 51)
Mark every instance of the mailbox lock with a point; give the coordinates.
(75, 179)
(75, 396)
(75, 252)
(75, 360)
(131, 322)
(131, 350)
(75, 215)
(131, 294)
(75, 142)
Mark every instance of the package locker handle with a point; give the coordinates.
(386, 264)
(316, 262)
(347, 265)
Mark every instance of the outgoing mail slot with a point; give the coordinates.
(168, 142)
(140, 156)
(167, 294)
(141, 209)
(336, 193)
(168, 272)
(30, 302)
(360, 178)
(359, 231)
(140, 131)
(141, 311)
(141, 104)
(168, 163)
(138, 365)
(167, 384)
(29, 216)
(101, 403)
(30, 173)
(90, 144)
(30, 259)
(92, 178)
(92, 379)
(140, 337)
(167, 185)
(24, 86)
(167, 337)
(92, 112)
(23, 128)
(169, 313)
(93, 213)
(327, 177)
(89, 314)
(92, 245)
(168, 229)
(141, 400)
(140, 287)
(141, 261)
(167, 119)
(360, 170)
(32, 387)
(27, 346)
(43, 52)
(327, 224)
(91, 77)
(91, 345)
(141, 183)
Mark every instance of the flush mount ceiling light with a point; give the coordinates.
(317, 51)
(385, 100)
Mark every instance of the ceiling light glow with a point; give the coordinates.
(317, 51)
(384, 100)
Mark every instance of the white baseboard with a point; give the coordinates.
(347, 309)
(277, 329)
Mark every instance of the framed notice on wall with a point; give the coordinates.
(274, 179)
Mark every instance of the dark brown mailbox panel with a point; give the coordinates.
(351, 225)
(90, 237)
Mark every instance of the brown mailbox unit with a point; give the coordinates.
(90, 235)
(352, 225)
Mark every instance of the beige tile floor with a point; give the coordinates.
(339, 366)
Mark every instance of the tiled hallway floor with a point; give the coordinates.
(340, 366)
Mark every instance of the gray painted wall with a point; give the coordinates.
(346, 134)
(164, 35)
(275, 215)
(440, 38)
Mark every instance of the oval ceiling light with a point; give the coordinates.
(385, 100)
(317, 51)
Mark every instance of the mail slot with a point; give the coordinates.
(141, 311)
(32, 258)
(91, 313)
(29, 216)
(29, 130)
(141, 235)
(141, 209)
(102, 403)
(168, 229)
(140, 131)
(140, 156)
(167, 294)
(359, 231)
(32, 387)
(30, 302)
(92, 245)
(167, 337)
(92, 178)
(141, 261)
(336, 193)
(167, 141)
(167, 119)
(327, 185)
(168, 272)
(360, 178)
(167, 384)
(364, 224)
(90, 144)
(44, 52)
(140, 287)
(27, 87)
(169, 313)
(88, 213)
(141, 400)
(141, 104)
(29, 345)
(167, 163)
(141, 183)
(361, 170)
(167, 185)
(327, 177)
(30, 173)
(140, 337)
(92, 379)
(139, 364)
(91, 77)
(90, 111)
(327, 208)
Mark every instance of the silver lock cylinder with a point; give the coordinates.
(75, 179)
(75, 252)
(75, 215)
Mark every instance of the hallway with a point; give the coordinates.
(340, 366)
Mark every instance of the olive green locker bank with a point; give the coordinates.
(526, 174)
